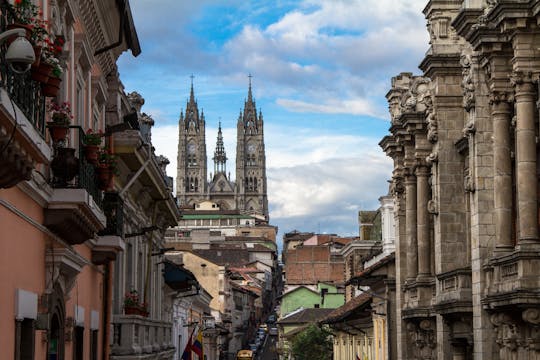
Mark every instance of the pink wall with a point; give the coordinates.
(22, 265)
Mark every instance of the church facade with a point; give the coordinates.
(248, 193)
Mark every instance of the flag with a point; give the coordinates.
(187, 351)
(197, 346)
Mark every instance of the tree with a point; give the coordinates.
(313, 343)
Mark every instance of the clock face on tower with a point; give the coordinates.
(191, 148)
(251, 148)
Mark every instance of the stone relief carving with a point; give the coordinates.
(517, 338)
(432, 127)
(418, 97)
(432, 158)
(422, 336)
(432, 206)
(467, 83)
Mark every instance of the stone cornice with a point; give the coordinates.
(440, 65)
(466, 19)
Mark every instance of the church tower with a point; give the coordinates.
(251, 160)
(191, 173)
(221, 188)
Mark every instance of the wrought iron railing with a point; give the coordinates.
(84, 175)
(113, 207)
(23, 91)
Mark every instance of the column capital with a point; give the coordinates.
(497, 97)
(523, 82)
(422, 169)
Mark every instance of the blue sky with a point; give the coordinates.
(321, 69)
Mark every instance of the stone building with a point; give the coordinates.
(248, 193)
(465, 183)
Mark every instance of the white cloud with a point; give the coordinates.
(310, 176)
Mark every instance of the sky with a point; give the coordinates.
(321, 69)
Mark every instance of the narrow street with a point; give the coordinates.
(268, 349)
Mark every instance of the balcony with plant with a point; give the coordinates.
(77, 200)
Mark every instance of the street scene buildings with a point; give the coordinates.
(104, 256)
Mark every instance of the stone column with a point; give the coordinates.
(410, 225)
(526, 157)
(422, 225)
(502, 165)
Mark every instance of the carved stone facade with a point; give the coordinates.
(249, 192)
(465, 183)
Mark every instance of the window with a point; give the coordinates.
(25, 339)
(94, 345)
(78, 343)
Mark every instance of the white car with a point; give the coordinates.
(273, 331)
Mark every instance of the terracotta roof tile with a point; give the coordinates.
(347, 308)
(306, 316)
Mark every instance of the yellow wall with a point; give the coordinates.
(347, 346)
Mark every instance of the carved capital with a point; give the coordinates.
(522, 82)
(500, 97)
(531, 315)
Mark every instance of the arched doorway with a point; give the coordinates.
(57, 327)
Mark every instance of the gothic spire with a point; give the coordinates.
(192, 93)
(250, 97)
(220, 157)
(249, 117)
(192, 111)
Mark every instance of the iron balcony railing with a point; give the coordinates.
(22, 90)
(113, 207)
(84, 175)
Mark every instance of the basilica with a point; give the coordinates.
(248, 193)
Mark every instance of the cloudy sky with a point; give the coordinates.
(321, 69)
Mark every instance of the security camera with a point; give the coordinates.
(20, 53)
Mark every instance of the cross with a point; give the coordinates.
(192, 77)
(250, 76)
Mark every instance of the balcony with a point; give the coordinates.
(75, 208)
(137, 337)
(110, 240)
(178, 278)
(22, 120)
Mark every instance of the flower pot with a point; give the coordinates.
(41, 72)
(51, 87)
(104, 176)
(58, 132)
(64, 166)
(37, 53)
(131, 310)
(91, 153)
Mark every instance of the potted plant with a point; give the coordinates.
(51, 54)
(24, 13)
(28, 16)
(105, 169)
(92, 142)
(60, 120)
(131, 303)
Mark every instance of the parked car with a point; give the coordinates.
(273, 331)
